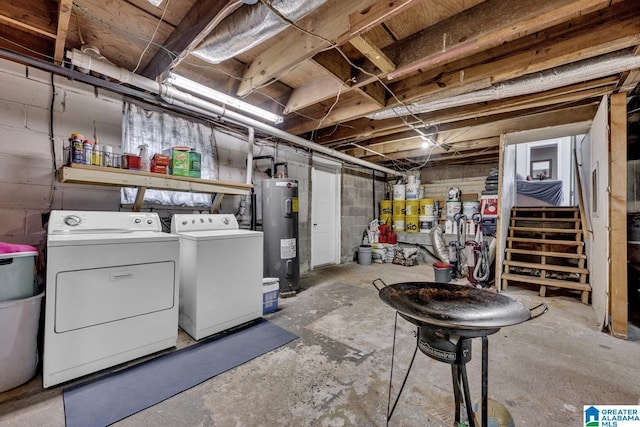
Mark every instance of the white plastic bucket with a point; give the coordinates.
(453, 208)
(469, 208)
(426, 223)
(412, 191)
(398, 192)
(20, 320)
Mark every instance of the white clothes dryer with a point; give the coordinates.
(220, 273)
(111, 291)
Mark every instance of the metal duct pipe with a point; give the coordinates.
(248, 26)
(554, 78)
(172, 95)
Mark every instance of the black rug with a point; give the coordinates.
(118, 395)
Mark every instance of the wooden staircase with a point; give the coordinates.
(545, 247)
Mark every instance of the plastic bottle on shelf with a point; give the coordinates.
(145, 162)
(107, 156)
(88, 151)
(96, 156)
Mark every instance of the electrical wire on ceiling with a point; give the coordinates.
(153, 36)
(333, 45)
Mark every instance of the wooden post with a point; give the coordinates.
(618, 215)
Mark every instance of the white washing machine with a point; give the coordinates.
(220, 273)
(111, 291)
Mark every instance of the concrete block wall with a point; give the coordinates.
(28, 187)
(357, 206)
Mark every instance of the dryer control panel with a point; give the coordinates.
(65, 222)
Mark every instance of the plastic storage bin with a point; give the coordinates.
(270, 294)
(20, 320)
(16, 275)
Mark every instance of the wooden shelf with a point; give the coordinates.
(97, 175)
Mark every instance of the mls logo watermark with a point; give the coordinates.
(611, 416)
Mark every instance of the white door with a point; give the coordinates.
(325, 212)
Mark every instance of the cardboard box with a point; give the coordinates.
(158, 168)
(178, 160)
(160, 159)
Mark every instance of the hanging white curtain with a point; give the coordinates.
(160, 131)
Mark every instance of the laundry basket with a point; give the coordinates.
(16, 275)
(20, 320)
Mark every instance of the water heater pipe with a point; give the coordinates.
(170, 95)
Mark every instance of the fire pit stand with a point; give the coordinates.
(447, 318)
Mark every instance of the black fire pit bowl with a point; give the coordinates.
(454, 306)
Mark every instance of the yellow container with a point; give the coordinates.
(398, 208)
(386, 207)
(427, 207)
(412, 224)
(398, 223)
(412, 207)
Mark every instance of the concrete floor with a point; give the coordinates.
(337, 372)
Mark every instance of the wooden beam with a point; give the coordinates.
(317, 91)
(618, 215)
(584, 44)
(460, 134)
(203, 16)
(438, 153)
(24, 26)
(383, 10)
(482, 27)
(368, 128)
(64, 14)
(373, 53)
(339, 24)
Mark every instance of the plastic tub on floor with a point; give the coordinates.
(16, 275)
(270, 294)
(20, 320)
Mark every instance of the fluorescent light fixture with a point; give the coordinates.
(214, 95)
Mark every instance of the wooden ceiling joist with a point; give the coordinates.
(64, 14)
(331, 25)
(579, 45)
(369, 128)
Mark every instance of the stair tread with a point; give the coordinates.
(547, 230)
(546, 253)
(550, 267)
(546, 208)
(545, 241)
(546, 282)
(538, 219)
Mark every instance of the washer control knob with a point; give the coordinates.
(149, 221)
(202, 220)
(72, 220)
(210, 220)
(137, 220)
(225, 220)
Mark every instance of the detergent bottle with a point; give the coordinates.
(145, 162)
